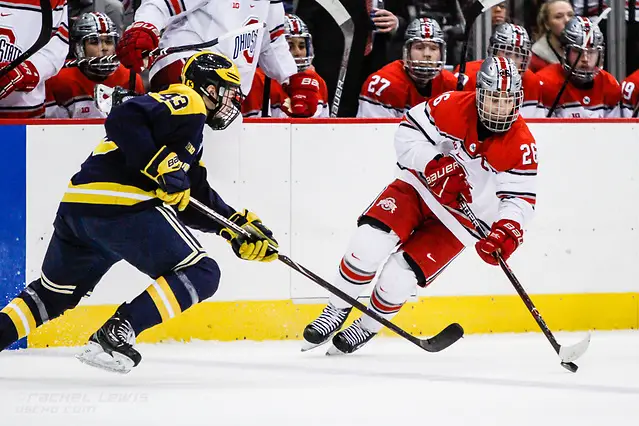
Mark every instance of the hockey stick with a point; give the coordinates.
(566, 353)
(46, 31)
(440, 341)
(635, 113)
(346, 25)
(266, 97)
(168, 50)
(572, 69)
(471, 14)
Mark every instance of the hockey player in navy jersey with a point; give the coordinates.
(115, 208)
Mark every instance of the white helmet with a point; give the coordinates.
(295, 27)
(511, 41)
(499, 93)
(424, 30)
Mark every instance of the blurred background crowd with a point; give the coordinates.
(406, 51)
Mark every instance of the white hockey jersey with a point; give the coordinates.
(501, 170)
(196, 21)
(20, 23)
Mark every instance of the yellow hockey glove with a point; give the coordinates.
(256, 247)
(169, 172)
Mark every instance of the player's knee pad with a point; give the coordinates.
(203, 278)
(367, 249)
(397, 280)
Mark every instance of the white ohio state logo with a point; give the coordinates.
(388, 204)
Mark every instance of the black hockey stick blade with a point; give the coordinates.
(452, 333)
(46, 30)
(439, 342)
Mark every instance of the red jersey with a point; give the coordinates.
(279, 100)
(390, 92)
(531, 107)
(501, 169)
(629, 94)
(600, 101)
(69, 94)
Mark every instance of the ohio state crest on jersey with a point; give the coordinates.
(245, 43)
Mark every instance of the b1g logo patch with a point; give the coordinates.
(245, 43)
(388, 204)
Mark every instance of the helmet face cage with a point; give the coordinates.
(423, 30)
(499, 93)
(94, 27)
(228, 104)
(206, 69)
(511, 41)
(294, 28)
(577, 31)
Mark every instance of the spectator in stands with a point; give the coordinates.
(499, 14)
(591, 92)
(630, 95)
(402, 84)
(511, 41)
(551, 20)
(70, 94)
(369, 50)
(300, 43)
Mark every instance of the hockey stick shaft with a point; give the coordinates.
(46, 31)
(320, 281)
(343, 19)
(266, 97)
(470, 15)
(168, 50)
(513, 279)
(635, 113)
(572, 68)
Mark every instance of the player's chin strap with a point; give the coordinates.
(439, 342)
(566, 353)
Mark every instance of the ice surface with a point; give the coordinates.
(481, 380)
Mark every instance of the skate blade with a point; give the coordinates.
(307, 346)
(93, 355)
(332, 351)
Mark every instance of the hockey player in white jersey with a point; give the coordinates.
(195, 21)
(22, 89)
(461, 144)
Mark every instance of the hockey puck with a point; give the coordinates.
(570, 366)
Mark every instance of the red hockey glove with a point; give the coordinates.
(505, 236)
(139, 38)
(303, 90)
(446, 180)
(23, 78)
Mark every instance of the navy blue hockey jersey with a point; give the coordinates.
(111, 181)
